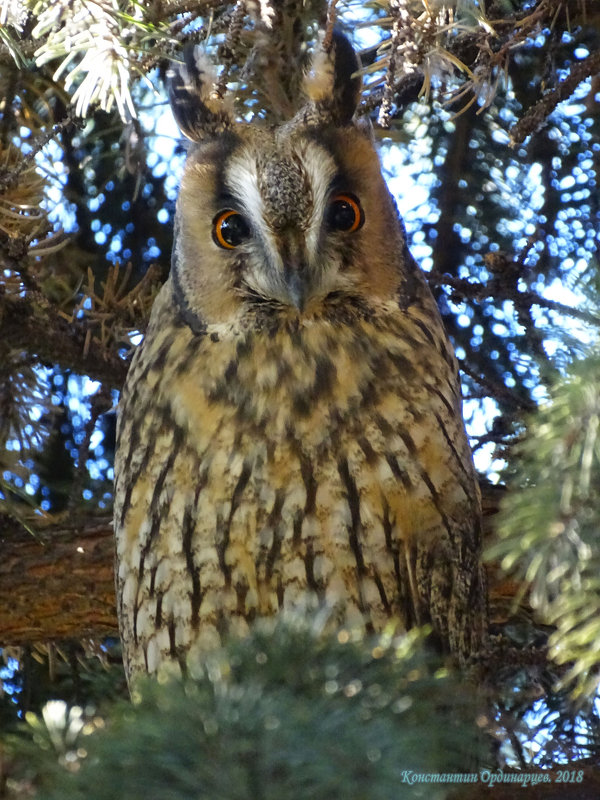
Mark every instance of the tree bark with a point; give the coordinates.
(57, 582)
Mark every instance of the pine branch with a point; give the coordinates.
(465, 288)
(32, 324)
(535, 117)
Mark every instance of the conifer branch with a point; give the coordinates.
(535, 117)
(30, 323)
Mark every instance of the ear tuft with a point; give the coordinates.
(198, 111)
(330, 84)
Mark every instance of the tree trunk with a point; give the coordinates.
(57, 582)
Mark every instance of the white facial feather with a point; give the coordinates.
(242, 180)
(320, 168)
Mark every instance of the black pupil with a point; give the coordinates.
(342, 215)
(234, 229)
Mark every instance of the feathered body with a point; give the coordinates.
(291, 425)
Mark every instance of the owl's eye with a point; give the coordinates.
(230, 229)
(345, 213)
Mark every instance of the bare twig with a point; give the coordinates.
(99, 404)
(533, 119)
(475, 290)
(498, 389)
(9, 178)
(30, 323)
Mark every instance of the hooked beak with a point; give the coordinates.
(294, 277)
(297, 277)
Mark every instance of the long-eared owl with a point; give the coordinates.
(291, 426)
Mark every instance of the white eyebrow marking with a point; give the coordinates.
(242, 180)
(321, 169)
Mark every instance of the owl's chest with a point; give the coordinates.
(272, 467)
(307, 389)
(301, 421)
(314, 430)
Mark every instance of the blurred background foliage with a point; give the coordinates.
(287, 713)
(488, 119)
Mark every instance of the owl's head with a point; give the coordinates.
(292, 221)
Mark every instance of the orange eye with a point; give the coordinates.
(230, 229)
(345, 213)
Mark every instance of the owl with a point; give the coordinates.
(290, 430)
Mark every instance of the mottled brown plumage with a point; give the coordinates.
(291, 426)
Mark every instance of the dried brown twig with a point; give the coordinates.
(114, 312)
(533, 119)
(465, 288)
(33, 324)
